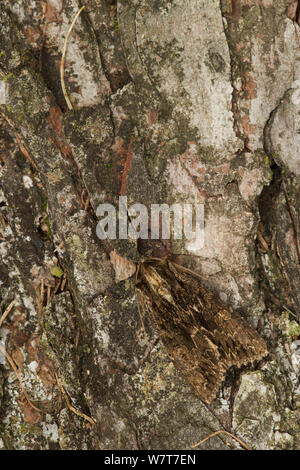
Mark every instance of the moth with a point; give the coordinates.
(203, 336)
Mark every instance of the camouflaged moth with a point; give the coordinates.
(203, 336)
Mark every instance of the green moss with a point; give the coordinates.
(49, 233)
(86, 349)
(116, 25)
(46, 218)
(44, 202)
(5, 78)
(56, 271)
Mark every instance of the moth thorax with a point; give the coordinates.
(157, 283)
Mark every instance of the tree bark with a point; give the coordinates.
(183, 101)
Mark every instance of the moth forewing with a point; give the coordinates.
(202, 335)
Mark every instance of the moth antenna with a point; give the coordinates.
(190, 271)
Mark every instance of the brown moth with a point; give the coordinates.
(203, 336)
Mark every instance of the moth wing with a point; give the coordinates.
(237, 342)
(235, 337)
(199, 363)
(202, 335)
(203, 355)
(195, 356)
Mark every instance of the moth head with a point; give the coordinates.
(150, 248)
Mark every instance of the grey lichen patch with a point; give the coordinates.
(264, 50)
(23, 99)
(90, 125)
(90, 134)
(156, 162)
(85, 79)
(256, 415)
(110, 313)
(273, 271)
(282, 135)
(22, 426)
(86, 257)
(156, 377)
(18, 435)
(215, 61)
(165, 55)
(262, 414)
(253, 175)
(158, 386)
(56, 173)
(197, 80)
(70, 432)
(288, 434)
(64, 342)
(61, 328)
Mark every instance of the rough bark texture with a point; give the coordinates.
(173, 101)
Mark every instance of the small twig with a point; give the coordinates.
(11, 361)
(87, 202)
(59, 247)
(62, 63)
(13, 365)
(52, 178)
(63, 283)
(290, 312)
(77, 339)
(3, 222)
(48, 294)
(42, 292)
(25, 151)
(58, 283)
(6, 312)
(225, 432)
(70, 406)
(263, 241)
